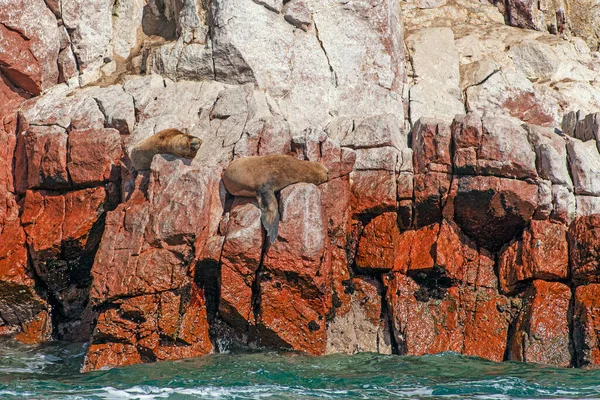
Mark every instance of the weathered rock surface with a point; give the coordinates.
(541, 332)
(461, 211)
(542, 253)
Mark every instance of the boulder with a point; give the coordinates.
(584, 249)
(541, 333)
(585, 316)
(166, 326)
(542, 253)
(462, 319)
(296, 268)
(492, 210)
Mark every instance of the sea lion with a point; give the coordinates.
(263, 176)
(168, 141)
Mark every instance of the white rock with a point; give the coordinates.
(117, 106)
(345, 66)
(436, 92)
(551, 155)
(584, 161)
(90, 26)
(376, 131)
(380, 158)
(564, 204)
(127, 19)
(587, 205)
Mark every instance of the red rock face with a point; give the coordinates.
(93, 156)
(44, 157)
(443, 251)
(433, 170)
(584, 249)
(541, 332)
(29, 45)
(147, 247)
(296, 276)
(585, 325)
(461, 319)
(23, 311)
(542, 253)
(373, 191)
(62, 237)
(143, 268)
(166, 326)
(241, 258)
(492, 210)
(379, 244)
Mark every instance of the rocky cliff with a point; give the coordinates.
(462, 211)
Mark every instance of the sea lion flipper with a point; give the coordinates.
(269, 208)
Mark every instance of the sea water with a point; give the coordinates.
(52, 372)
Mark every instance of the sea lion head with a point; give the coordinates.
(179, 143)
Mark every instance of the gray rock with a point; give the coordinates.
(551, 155)
(297, 13)
(377, 131)
(91, 30)
(117, 107)
(584, 162)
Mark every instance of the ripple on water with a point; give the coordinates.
(52, 372)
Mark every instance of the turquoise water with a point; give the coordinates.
(52, 372)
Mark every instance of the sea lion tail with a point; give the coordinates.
(269, 208)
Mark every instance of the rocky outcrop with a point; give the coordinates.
(461, 212)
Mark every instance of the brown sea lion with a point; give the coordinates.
(263, 176)
(168, 141)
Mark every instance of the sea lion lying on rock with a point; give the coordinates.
(168, 141)
(262, 176)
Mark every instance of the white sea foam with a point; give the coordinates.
(151, 392)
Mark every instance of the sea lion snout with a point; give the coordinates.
(195, 144)
(185, 145)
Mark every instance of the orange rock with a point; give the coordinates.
(241, 257)
(36, 331)
(373, 191)
(466, 320)
(542, 253)
(584, 249)
(586, 325)
(444, 249)
(93, 156)
(492, 210)
(167, 326)
(291, 317)
(379, 243)
(541, 332)
(295, 285)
